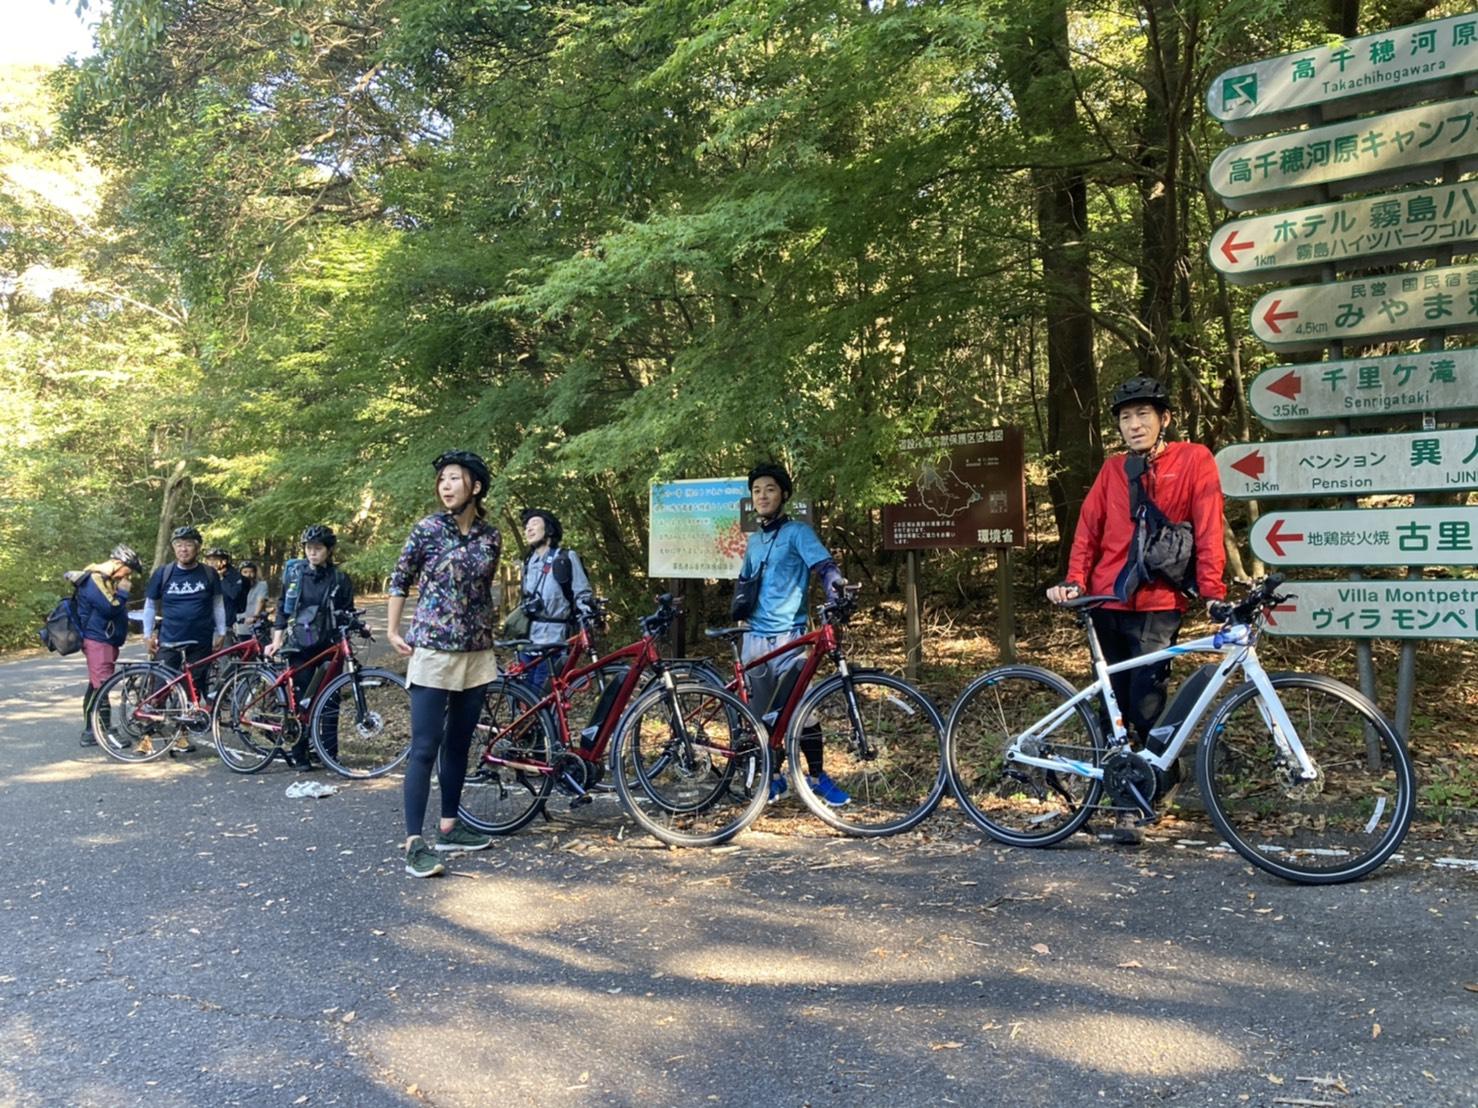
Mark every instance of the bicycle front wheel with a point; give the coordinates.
(692, 764)
(880, 741)
(1337, 827)
(509, 764)
(361, 723)
(1014, 803)
(137, 712)
(251, 719)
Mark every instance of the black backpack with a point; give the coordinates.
(1159, 548)
(62, 631)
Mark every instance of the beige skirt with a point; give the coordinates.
(451, 670)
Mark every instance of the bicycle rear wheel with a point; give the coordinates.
(509, 772)
(887, 756)
(251, 719)
(1014, 803)
(1337, 827)
(134, 718)
(361, 723)
(692, 764)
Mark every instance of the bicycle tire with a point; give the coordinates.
(377, 711)
(499, 799)
(893, 773)
(250, 719)
(1020, 805)
(115, 720)
(1339, 827)
(692, 764)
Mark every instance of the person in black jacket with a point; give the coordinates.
(325, 589)
(102, 613)
(233, 585)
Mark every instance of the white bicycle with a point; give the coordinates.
(1300, 773)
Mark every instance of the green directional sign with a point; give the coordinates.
(1389, 228)
(1276, 92)
(1366, 153)
(1366, 388)
(1378, 610)
(1368, 537)
(1422, 461)
(1401, 305)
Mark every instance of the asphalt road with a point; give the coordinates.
(179, 935)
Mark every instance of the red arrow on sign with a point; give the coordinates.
(1276, 537)
(1251, 465)
(1288, 386)
(1231, 246)
(1273, 315)
(1273, 612)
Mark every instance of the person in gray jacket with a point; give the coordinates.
(555, 588)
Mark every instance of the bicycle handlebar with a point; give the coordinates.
(1264, 595)
(659, 621)
(841, 607)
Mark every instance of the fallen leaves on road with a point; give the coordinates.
(1375, 1031)
(951, 1045)
(1041, 948)
(1131, 965)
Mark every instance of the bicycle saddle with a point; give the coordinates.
(726, 632)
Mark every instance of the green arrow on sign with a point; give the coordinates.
(1241, 87)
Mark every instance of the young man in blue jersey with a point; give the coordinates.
(784, 552)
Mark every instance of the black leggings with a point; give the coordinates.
(1124, 635)
(442, 722)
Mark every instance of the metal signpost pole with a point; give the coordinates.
(1006, 620)
(913, 635)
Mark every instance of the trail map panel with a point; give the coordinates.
(970, 491)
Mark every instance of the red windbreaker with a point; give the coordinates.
(1183, 482)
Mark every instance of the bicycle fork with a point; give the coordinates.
(1276, 719)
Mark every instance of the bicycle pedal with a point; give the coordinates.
(580, 801)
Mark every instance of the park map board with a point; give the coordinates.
(969, 491)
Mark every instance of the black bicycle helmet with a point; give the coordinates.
(319, 533)
(469, 461)
(218, 552)
(1140, 390)
(552, 528)
(249, 564)
(128, 556)
(775, 470)
(186, 532)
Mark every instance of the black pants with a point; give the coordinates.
(304, 687)
(442, 723)
(181, 656)
(1124, 635)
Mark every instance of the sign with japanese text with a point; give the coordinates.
(1423, 461)
(1264, 94)
(1368, 537)
(1366, 153)
(1393, 227)
(694, 528)
(1399, 305)
(1378, 610)
(970, 491)
(1355, 388)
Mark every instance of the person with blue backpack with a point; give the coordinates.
(313, 591)
(101, 607)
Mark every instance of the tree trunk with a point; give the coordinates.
(174, 487)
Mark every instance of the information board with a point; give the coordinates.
(970, 490)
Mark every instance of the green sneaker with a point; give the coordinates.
(462, 837)
(420, 860)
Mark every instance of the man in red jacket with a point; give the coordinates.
(1181, 479)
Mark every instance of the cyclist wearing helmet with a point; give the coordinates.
(451, 558)
(1182, 481)
(323, 590)
(784, 552)
(256, 593)
(185, 599)
(555, 588)
(102, 613)
(233, 585)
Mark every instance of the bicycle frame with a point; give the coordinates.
(824, 641)
(249, 649)
(1237, 643)
(337, 656)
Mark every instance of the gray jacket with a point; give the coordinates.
(553, 617)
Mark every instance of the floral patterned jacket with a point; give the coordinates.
(453, 573)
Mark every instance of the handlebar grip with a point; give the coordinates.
(1221, 610)
(1272, 583)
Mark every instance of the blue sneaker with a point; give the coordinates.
(779, 786)
(828, 790)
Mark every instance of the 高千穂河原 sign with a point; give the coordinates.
(1366, 153)
(1355, 388)
(1368, 537)
(1378, 610)
(1398, 305)
(1421, 461)
(1277, 92)
(1301, 241)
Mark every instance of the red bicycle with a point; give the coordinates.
(359, 719)
(145, 709)
(879, 738)
(691, 761)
